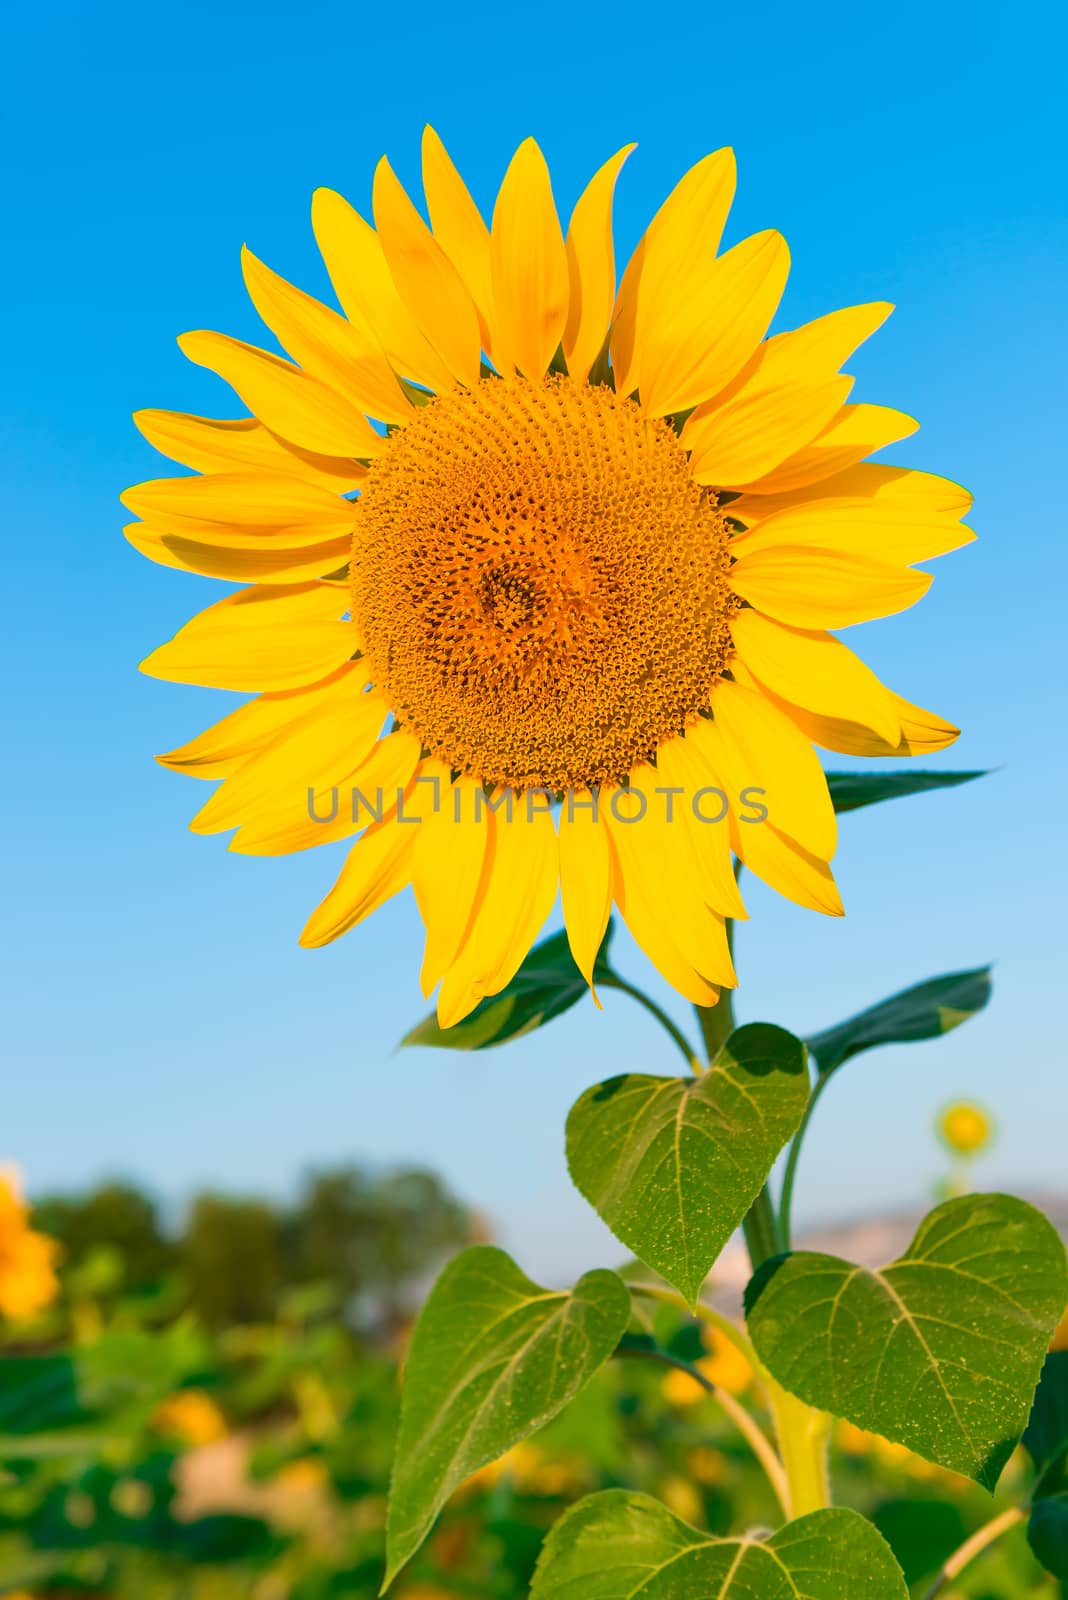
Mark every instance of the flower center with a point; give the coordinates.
(539, 586)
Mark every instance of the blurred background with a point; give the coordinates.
(219, 1127)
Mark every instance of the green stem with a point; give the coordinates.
(755, 1437)
(717, 1022)
(761, 1228)
(790, 1174)
(975, 1546)
(616, 982)
(803, 1436)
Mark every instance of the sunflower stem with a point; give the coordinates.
(980, 1541)
(761, 1228)
(789, 1177)
(804, 1436)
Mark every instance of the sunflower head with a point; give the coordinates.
(507, 529)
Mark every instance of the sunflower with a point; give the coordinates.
(28, 1281)
(547, 568)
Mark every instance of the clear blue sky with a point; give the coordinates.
(160, 1019)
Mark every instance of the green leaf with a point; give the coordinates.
(546, 985)
(939, 1351)
(673, 1164)
(1046, 1435)
(923, 1012)
(493, 1357)
(1047, 1533)
(1046, 1440)
(922, 1533)
(851, 790)
(615, 1545)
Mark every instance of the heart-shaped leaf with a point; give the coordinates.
(851, 790)
(939, 1351)
(547, 984)
(673, 1164)
(923, 1012)
(493, 1356)
(617, 1545)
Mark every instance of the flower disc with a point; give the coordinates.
(539, 585)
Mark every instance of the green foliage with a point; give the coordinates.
(104, 1389)
(673, 1164)
(114, 1217)
(231, 1259)
(492, 1358)
(1047, 1532)
(921, 1533)
(547, 984)
(1046, 1440)
(851, 790)
(940, 1351)
(614, 1545)
(924, 1011)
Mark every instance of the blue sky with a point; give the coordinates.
(160, 1018)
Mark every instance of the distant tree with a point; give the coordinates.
(230, 1252)
(114, 1216)
(375, 1236)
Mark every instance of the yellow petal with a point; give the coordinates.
(683, 764)
(740, 441)
(760, 748)
(271, 561)
(211, 444)
(813, 588)
(814, 670)
(426, 280)
(360, 274)
(922, 732)
(447, 868)
(786, 867)
(290, 402)
(458, 227)
(377, 867)
(658, 891)
(530, 274)
(585, 880)
(242, 508)
(868, 482)
(817, 349)
(862, 528)
(335, 727)
(693, 346)
(516, 897)
(260, 638)
(854, 434)
(346, 355)
(672, 257)
(295, 818)
(591, 268)
(230, 742)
